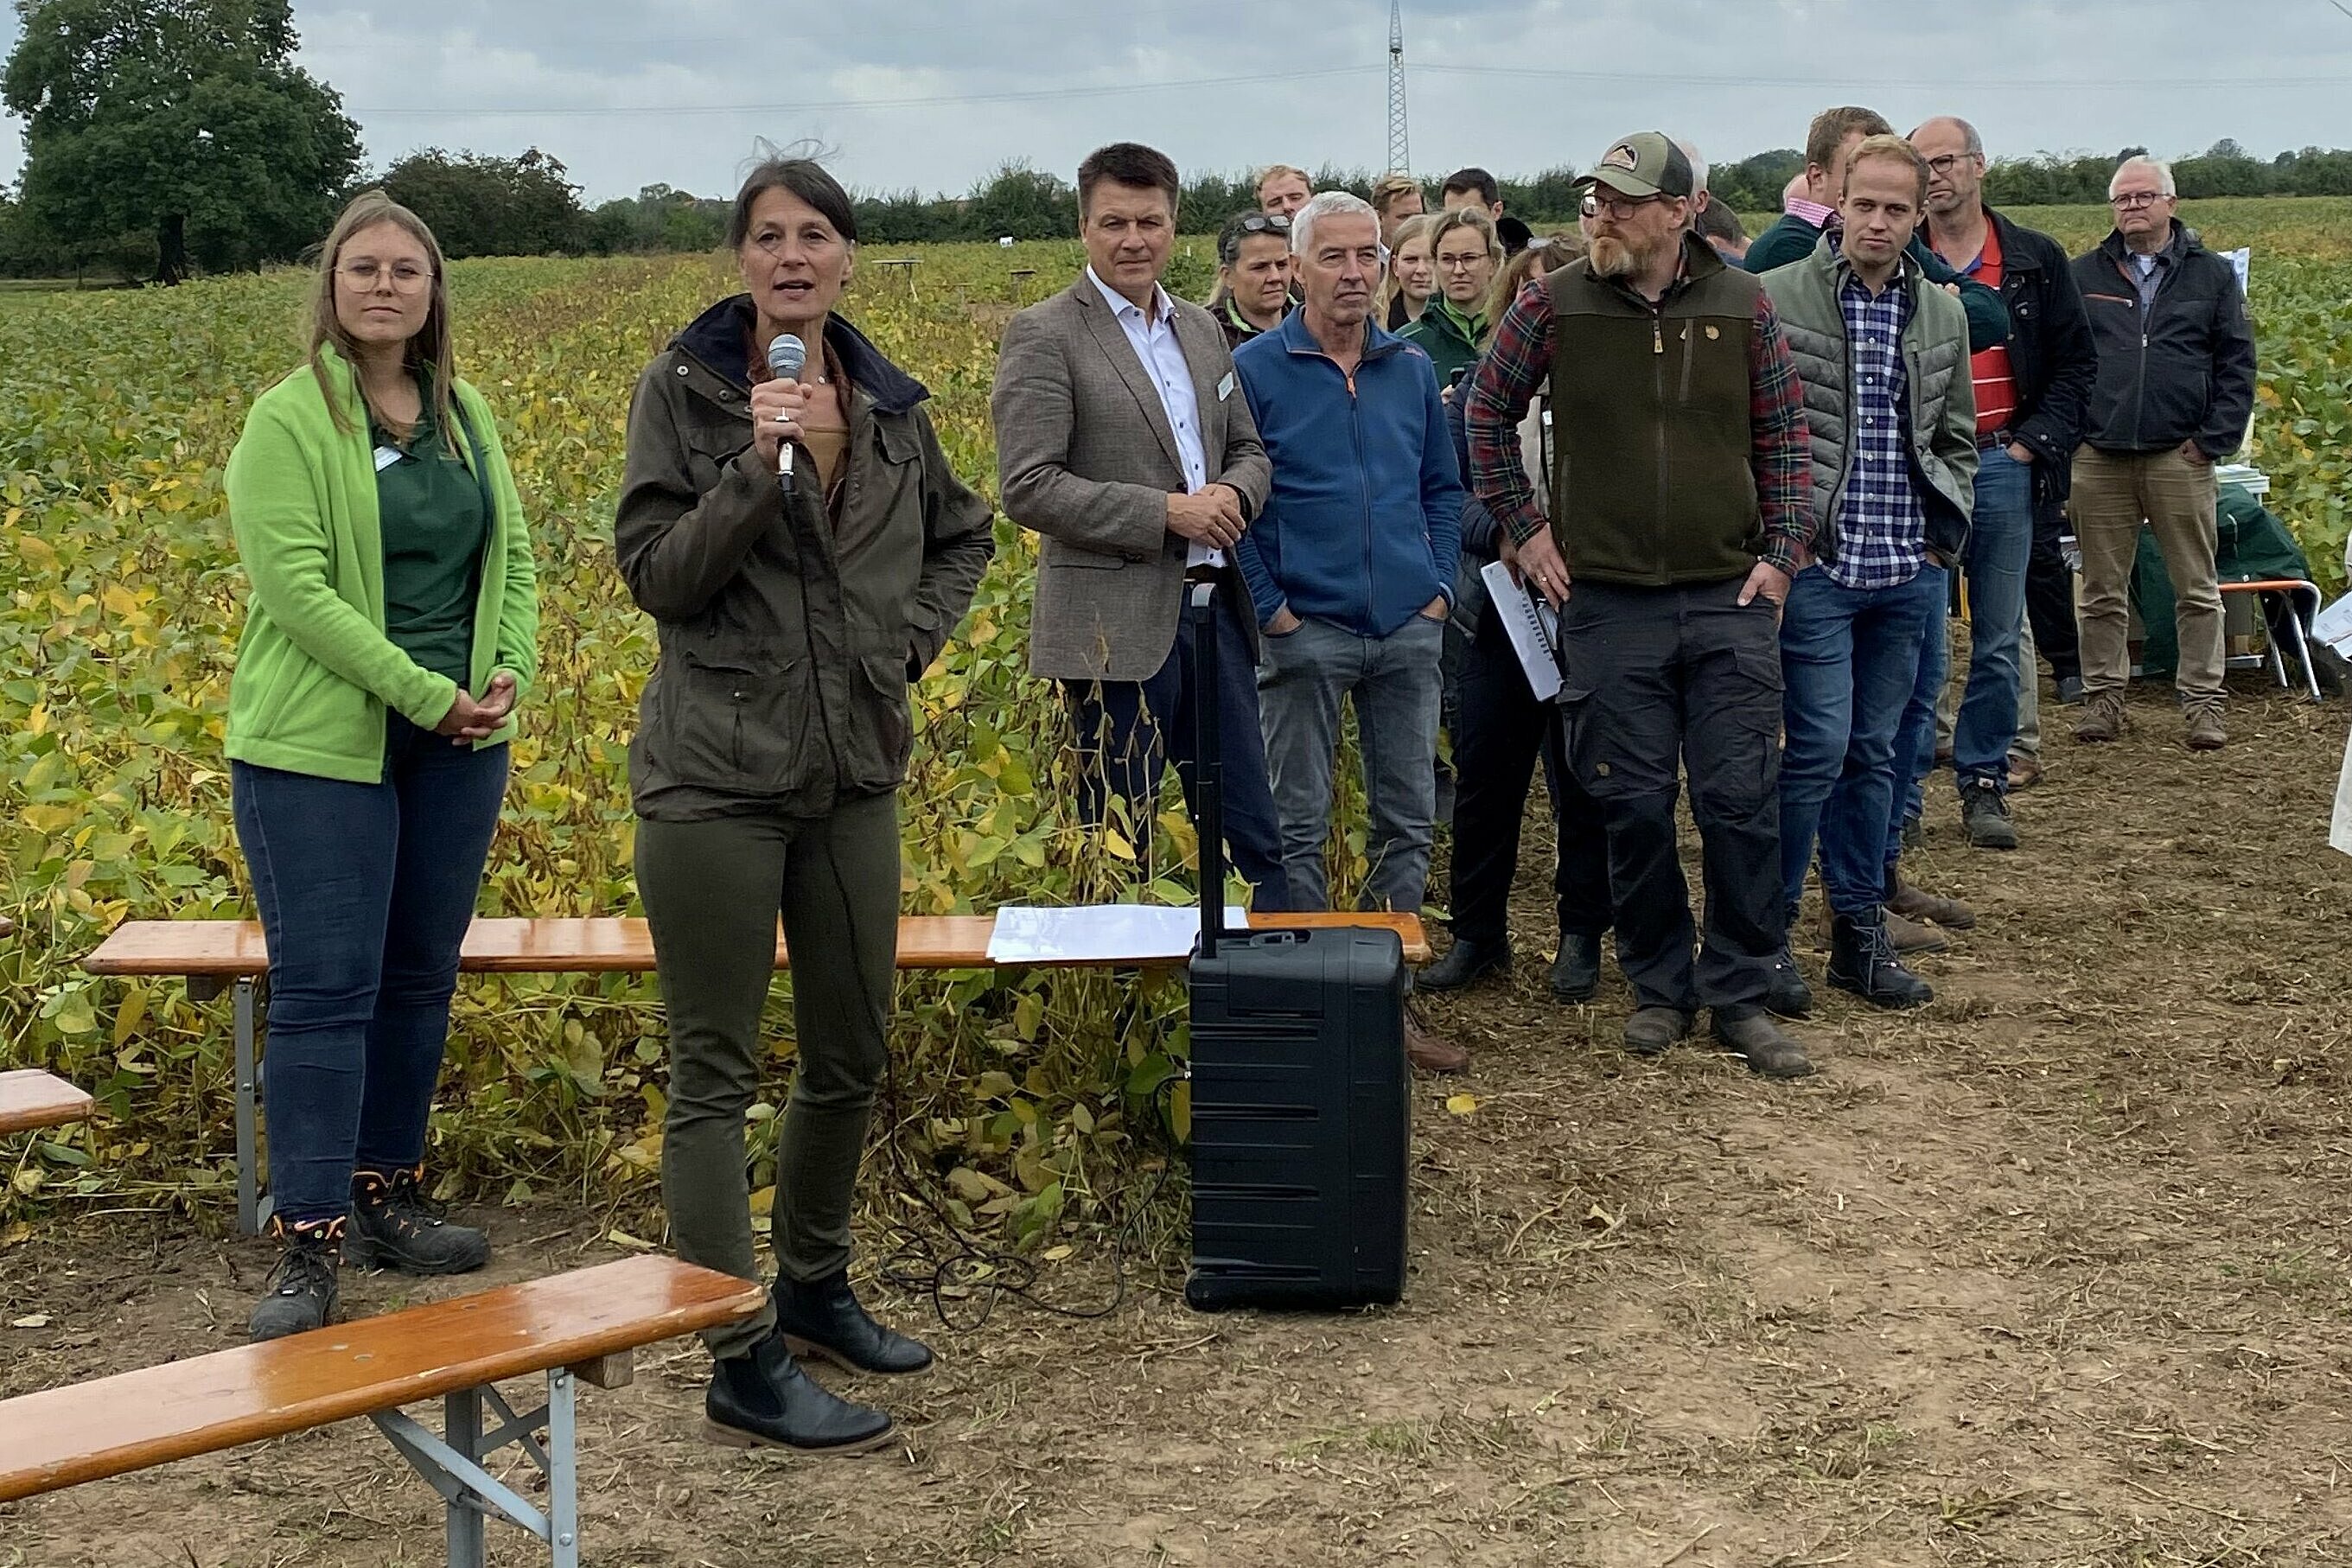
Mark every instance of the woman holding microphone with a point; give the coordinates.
(389, 636)
(773, 736)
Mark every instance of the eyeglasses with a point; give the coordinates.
(2132, 201)
(1462, 263)
(1945, 164)
(406, 278)
(1618, 208)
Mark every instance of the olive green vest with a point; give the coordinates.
(1652, 481)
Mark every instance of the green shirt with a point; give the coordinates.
(436, 523)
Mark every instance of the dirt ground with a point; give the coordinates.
(2054, 1271)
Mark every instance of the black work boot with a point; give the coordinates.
(1862, 959)
(1653, 1031)
(1576, 972)
(394, 1226)
(1785, 991)
(1464, 962)
(1750, 1032)
(1984, 812)
(302, 1289)
(824, 1318)
(762, 1399)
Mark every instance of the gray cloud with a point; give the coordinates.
(934, 95)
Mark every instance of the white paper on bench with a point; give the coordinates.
(1533, 625)
(1098, 933)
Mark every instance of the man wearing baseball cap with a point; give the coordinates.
(1680, 509)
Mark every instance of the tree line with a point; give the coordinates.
(165, 138)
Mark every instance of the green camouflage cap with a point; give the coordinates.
(1647, 163)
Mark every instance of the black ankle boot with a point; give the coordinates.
(303, 1292)
(1576, 972)
(1862, 959)
(1786, 995)
(762, 1399)
(1464, 961)
(394, 1226)
(823, 1318)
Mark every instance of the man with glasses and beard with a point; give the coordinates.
(1681, 504)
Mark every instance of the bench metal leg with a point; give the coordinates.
(451, 1465)
(249, 1212)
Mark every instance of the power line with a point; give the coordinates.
(1808, 83)
(939, 100)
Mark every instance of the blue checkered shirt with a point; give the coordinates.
(1881, 531)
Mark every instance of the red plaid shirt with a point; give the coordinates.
(1519, 365)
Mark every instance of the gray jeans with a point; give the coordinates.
(1394, 684)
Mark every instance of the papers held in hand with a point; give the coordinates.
(2332, 626)
(1534, 626)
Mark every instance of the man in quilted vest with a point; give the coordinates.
(1884, 356)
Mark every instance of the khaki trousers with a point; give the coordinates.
(2113, 493)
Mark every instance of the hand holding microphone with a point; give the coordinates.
(776, 407)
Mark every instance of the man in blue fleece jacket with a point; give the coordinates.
(1350, 565)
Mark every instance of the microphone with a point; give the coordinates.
(785, 357)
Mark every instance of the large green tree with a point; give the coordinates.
(183, 119)
(477, 205)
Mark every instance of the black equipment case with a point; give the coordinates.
(1301, 1097)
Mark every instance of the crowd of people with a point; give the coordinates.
(1744, 475)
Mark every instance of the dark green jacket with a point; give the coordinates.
(1792, 239)
(788, 635)
(1451, 343)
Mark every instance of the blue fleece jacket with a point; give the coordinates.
(1363, 527)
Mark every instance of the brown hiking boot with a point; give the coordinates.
(2205, 731)
(2103, 718)
(2024, 771)
(1912, 936)
(1431, 1052)
(1916, 904)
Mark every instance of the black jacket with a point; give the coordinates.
(2052, 361)
(2182, 370)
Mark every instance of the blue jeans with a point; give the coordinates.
(1849, 661)
(2001, 541)
(1396, 684)
(366, 891)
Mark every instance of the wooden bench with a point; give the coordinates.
(579, 1327)
(213, 955)
(30, 1098)
(904, 264)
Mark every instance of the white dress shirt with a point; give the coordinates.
(1153, 339)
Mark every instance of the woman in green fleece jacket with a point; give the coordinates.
(389, 636)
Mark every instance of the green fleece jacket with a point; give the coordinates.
(314, 670)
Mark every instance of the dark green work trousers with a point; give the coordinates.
(712, 892)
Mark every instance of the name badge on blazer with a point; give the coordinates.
(1225, 386)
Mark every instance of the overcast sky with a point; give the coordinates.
(935, 95)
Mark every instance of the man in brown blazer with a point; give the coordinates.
(1123, 439)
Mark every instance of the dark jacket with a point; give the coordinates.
(1451, 345)
(2181, 370)
(1482, 536)
(2052, 362)
(1792, 239)
(1363, 526)
(1237, 326)
(788, 635)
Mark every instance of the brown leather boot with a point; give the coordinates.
(1914, 904)
(1914, 936)
(1431, 1052)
